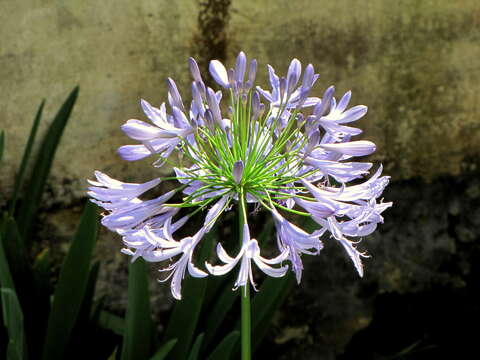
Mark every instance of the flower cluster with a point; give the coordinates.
(295, 155)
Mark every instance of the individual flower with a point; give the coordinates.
(281, 149)
(250, 251)
(295, 241)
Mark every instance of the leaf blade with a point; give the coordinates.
(6, 280)
(26, 157)
(17, 258)
(68, 299)
(164, 350)
(196, 348)
(221, 308)
(274, 291)
(185, 315)
(43, 164)
(13, 320)
(136, 340)
(224, 349)
(112, 322)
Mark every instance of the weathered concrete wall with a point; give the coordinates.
(412, 62)
(117, 51)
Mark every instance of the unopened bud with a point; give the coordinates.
(194, 70)
(209, 122)
(322, 107)
(238, 171)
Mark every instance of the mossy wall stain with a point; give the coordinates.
(211, 39)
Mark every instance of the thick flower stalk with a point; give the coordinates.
(278, 149)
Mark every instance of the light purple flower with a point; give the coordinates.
(152, 244)
(106, 189)
(353, 148)
(238, 171)
(347, 202)
(297, 157)
(296, 241)
(249, 251)
(195, 70)
(283, 91)
(341, 171)
(136, 213)
(219, 73)
(185, 247)
(160, 138)
(215, 212)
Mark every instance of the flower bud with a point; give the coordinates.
(209, 122)
(322, 107)
(252, 73)
(238, 171)
(294, 71)
(173, 95)
(194, 70)
(240, 67)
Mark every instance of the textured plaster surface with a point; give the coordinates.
(117, 51)
(414, 63)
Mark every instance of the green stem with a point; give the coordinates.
(246, 329)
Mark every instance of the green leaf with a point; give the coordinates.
(84, 332)
(196, 348)
(136, 340)
(95, 313)
(265, 303)
(112, 322)
(85, 312)
(227, 297)
(26, 157)
(162, 353)
(270, 297)
(113, 356)
(12, 314)
(72, 284)
(222, 306)
(6, 280)
(224, 350)
(13, 320)
(2, 144)
(17, 258)
(184, 318)
(41, 272)
(36, 302)
(43, 163)
(33, 299)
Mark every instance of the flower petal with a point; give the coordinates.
(354, 148)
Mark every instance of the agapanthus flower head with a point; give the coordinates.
(281, 150)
